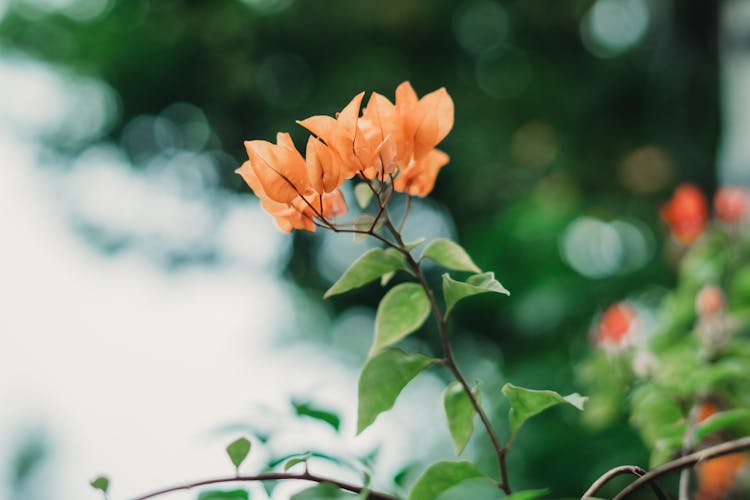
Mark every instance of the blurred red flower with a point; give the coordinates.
(731, 204)
(686, 213)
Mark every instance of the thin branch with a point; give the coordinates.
(271, 476)
(449, 360)
(686, 461)
(618, 471)
(406, 213)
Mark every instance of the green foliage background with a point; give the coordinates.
(255, 67)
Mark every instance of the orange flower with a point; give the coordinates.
(390, 139)
(291, 189)
(427, 120)
(340, 134)
(686, 213)
(419, 177)
(616, 327)
(731, 204)
(388, 142)
(717, 476)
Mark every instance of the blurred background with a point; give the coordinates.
(150, 311)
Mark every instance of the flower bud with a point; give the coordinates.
(686, 213)
(617, 327)
(709, 303)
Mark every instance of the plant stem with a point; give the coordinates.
(617, 471)
(449, 360)
(686, 461)
(270, 476)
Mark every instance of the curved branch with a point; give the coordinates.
(618, 471)
(271, 476)
(686, 461)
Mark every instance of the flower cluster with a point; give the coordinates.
(687, 212)
(386, 142)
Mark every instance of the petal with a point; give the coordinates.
(248, 174)
(320, 125)
(436, 120)
(419, 178)
(281, 171)
(323, 166)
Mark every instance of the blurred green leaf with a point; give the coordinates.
(306, 409)
(101, 483)
(442, 476)
(296, 460)
(655, 413)
(322, 491)
(453, 290)
(382, 379)
(449, 254)
(460, 414)
(721, 421)
(370, 266)
(401, 311)
(525, 403)
(224, 495)
(313, 454)
(238, 451)
(363, 194)
(529, 494)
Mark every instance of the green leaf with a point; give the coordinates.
(101, 483)
(296, 460)
(525, 403)
(528, 494)
(449, 254)
(238, 450)
(368, 267)
(335, 460)
(414, 244)
(460, 414)
(382, 379)
(306, 409)
(722, 420)
(403, 309)
(224, 495)
(453, 290)
(363, 194)
(322, 491)
(442, 476)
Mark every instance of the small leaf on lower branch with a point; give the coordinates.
(382, 379)
(442, 476)
(224, 495)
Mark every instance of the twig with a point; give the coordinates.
(449, 360)
(271, 476)
(686, 461)
(618, 471)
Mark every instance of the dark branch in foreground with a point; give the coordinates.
(686, 461)
(271, 476)
(617, 471)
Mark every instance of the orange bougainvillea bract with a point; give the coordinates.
(388, 142)
(686, 213)
(616, 327)
(731, 204)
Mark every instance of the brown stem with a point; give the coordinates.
(686, 461)
(449, 360)
(270, 476)
(617, 471)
